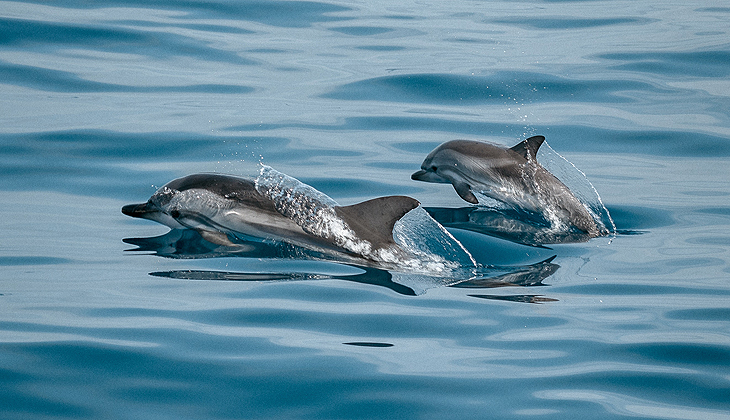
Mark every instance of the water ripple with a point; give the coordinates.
(570, 137)
(562, 23)
(25, 34)
(496, 88)
(276, 13)
(668, 64)
(62, 81)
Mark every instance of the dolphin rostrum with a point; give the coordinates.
(509, 175)
(217, 205)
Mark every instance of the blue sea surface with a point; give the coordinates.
(103, 102)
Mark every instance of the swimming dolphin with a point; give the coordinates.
(215, 205)
(510, 175)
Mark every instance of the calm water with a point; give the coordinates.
(102, 102)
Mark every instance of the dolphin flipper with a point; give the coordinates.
(464, 191)
(373, 220)
(528, 148)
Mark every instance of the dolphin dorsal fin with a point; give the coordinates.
(528, 148)
(373, 220)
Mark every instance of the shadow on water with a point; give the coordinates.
(188, 244)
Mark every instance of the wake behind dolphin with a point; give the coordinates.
(389, 231)
(514, 178)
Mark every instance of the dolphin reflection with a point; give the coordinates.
(189, 244)
(509, 224)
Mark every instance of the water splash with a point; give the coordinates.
(425, 237)
(423, 245)
(577, 181)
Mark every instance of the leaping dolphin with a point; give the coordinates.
(216, 205)
(510, 175)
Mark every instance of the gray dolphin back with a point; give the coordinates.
(373, 220)
(227, 186)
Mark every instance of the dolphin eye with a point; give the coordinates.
(175, 214)
(434, 168)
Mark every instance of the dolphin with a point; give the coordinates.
(509, 175)
(217, 205)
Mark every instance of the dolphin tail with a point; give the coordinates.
(373, 220)
(528, 148)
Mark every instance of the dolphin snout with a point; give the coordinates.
(418, 175)
(429, 176)
(137, 210)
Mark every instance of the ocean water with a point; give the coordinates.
(105, 316)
